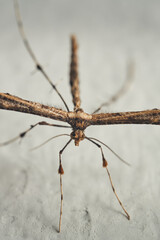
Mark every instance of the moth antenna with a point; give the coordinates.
(60, 135)
(30, 51)
(121, 159)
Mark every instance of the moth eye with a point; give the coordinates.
(73, 134)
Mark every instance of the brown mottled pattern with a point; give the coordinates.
(139, 117)
(78, 119)
(74, 80)
(10, 102)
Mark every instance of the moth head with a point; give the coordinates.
(77, 135)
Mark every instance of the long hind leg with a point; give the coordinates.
(61, 172)
(105, 165)
(122, 90)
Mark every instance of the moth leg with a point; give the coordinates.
(30, 51)
(128, 216)
(22, 134)
(105, 165)
(122, 90)
(61, 172)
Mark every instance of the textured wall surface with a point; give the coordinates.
(109, 33)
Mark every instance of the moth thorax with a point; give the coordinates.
(77, 135)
